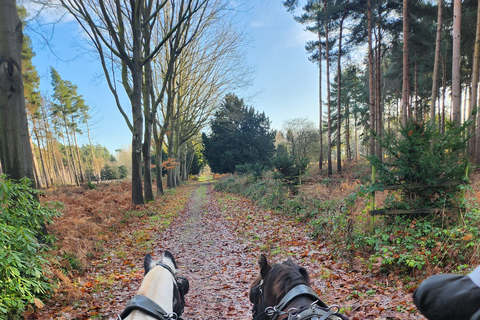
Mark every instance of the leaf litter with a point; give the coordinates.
(216, 239)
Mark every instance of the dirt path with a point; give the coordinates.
(214, 259)
(217, 240)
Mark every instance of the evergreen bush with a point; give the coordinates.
(421, 155)
(289, 169)
(23, 280)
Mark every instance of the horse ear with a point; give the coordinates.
(169, 255)
(148, 263)
(304, 273)
(264, 266)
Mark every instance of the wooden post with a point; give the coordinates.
(372, 204)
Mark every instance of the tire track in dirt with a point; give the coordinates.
(213, 257)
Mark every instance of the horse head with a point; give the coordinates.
(161, 294)
(282, 291)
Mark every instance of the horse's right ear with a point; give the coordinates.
(148, 263)
(264, 266)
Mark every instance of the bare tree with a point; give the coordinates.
(209, 66)
(117, 29)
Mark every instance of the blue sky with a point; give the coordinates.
(285, 85)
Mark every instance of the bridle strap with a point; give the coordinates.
(146, 305)
(168, 268)
(295, 292)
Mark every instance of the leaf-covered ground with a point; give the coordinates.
(216, 239)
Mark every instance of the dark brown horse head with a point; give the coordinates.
(273, 283)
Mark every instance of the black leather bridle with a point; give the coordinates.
(150, 307)
(318, 310)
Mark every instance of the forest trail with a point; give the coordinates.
(218, 238)
(214, 259)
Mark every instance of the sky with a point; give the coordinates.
(284, 86)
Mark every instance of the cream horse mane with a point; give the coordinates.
(158, 285)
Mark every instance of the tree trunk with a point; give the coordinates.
(159, 160)
(147, 112)
(456, 85)
(378, 92)
(15, 150)
(190, 160)
(36, 172)
(417, 111)
(371, 96)
(406, 79)
(95, 170)
(436, 63)
(339, 92)
(444, 90)
(136, 101)
(71, 172)
(473, 99)
(347, 131)
(356, 138)
(320, 154)
(329, 109)
(42, 160)
(79, 159)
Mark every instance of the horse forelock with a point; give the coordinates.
(281, 279)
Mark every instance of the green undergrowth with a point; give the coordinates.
(24, 248)
(401, 245)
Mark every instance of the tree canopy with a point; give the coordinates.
(239, 135)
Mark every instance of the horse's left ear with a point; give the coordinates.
(264, 266)
(148, 263)
(304, 273)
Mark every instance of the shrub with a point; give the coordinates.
(289, 169)
(91, 185)
(23, 281)
(256, 169)
(421, 155)
(409, 244)
(122, 172)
